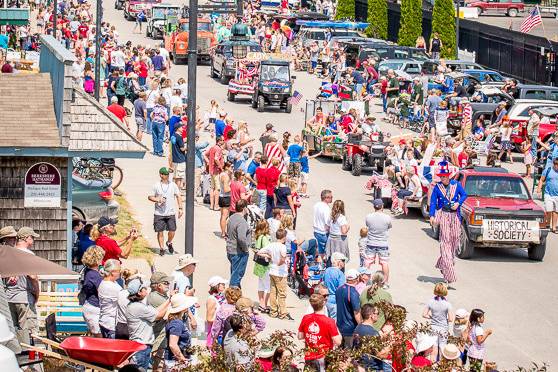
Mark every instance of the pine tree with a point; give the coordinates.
(345, 10)
(411, 22)
(443, 22)
(377, 19)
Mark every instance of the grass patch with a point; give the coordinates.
(141, 247)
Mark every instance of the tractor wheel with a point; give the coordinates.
(261, 103)
(357, 165)
(345, 165)
(230, 96)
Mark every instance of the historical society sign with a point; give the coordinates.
(42, 186)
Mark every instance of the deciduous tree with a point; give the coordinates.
(443, 22)
(410, 27)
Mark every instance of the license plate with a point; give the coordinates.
(510, 230)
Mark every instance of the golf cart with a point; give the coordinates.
(364, 151)
(159, 17)
(318, 140)
(273, 85)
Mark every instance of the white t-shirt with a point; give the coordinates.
(168, 191)
(321, 217)
(273, 227)
(276, 250)
(108, 303)
(118, 59)
(291, 237)
(175, 101)
(335, 227)
(181, 281)
(122, 303)
(165, 54)
(151, 98)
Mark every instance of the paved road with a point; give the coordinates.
(549, 31)
(519, 296)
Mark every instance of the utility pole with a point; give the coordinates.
(457, 30)
(98, 18)
(55, 19)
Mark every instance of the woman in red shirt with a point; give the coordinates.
(142, 71)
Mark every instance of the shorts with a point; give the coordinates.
(224, 201)
(551, 203)
(304, 177)
(179, 170)
(140, 122)
(214, 182)
(164, 223)
(264, 284)
(372, 251)
(293, 170)
(91, 315)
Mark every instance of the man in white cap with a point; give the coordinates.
(348, 308)
(186, 267)
(333, 279)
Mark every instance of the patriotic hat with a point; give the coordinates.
(443, 170)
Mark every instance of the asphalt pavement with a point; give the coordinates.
(549, 28)
(519, 296)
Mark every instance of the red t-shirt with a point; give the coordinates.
(462, 159)
(215, 156)
(383, 87)
(319, 331)
(272, 177)
(143, 70)
(226, 132)
(110, 246)
(83, 29)
(237, 189)
(261, 178)
(420, 361)
(118, 111)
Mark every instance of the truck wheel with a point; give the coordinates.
(254, 101)
(345, 165)
(357, 165)
(288, 108)
(512, 12)
(424, 207)
(479, 11)
(466, 247)
(230, 96)
(223, 78)
(261, 103)
(213, 73)
(536, 251)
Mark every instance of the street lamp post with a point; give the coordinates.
(98, 17)
(457, 30)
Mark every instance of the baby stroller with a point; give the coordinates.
(304, 274)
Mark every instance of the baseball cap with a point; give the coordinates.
(269, 126)
(8, 232)
(25, 231)
(136, 285)
(104, 221)
(160, 277)
(214, 281)
(352, 274)
(378, 203)
(338, 256)
(461, 313)
(164, 170)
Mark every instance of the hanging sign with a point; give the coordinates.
(43, 186)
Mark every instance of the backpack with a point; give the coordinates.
(89, 86)
(120, 87)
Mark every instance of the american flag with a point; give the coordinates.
(532, 20)
(295, 99)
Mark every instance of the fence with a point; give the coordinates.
(534, 58)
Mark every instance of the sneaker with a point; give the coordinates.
(385, 286)
(288, 317)
(161, 252)
(170, 247)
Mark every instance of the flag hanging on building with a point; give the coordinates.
(295, 99)
(532, 20)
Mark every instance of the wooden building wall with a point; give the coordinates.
(50, 223)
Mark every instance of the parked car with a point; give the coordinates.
(487, 77)
(430, 66)
(543, 92)
(222, 60)
(410, 66)
(93, 199)
(499, 212)
(519, 116)
(508, 7)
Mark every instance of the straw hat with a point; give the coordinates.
(179, 303)
(185, 260)
(8, 232)
(451, 352)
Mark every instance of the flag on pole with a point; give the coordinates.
(295, 99)
(532, 20)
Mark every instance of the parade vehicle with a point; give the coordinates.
(223, 63)
(320, 141)
(273, 85)
(499, 212)
(119, 4)
(133, 7)
(364, 151)
(243, 82)
(176, 40)
(160, 18)
(519, 118)
(489, 7)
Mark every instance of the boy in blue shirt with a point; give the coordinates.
(294, 152)
(304, 173)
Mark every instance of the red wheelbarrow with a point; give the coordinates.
(100, 354)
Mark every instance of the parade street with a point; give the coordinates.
(518, 295)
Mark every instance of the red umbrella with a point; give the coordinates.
(15, 262)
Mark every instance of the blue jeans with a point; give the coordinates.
(107, 333)
(322, 240)
(262, 199)
(142, 81)
(158, 137)
(358, 89)
(149, 123)
(143, 358)
(331, 310)
(269, 206)
(309, 247)
(238, 267)
(384, 102)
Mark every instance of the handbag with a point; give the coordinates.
(260, 260)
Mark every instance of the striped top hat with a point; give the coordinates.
(443, 169)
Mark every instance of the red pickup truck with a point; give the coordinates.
(133, 7)
(499, 212)
(508, 7)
